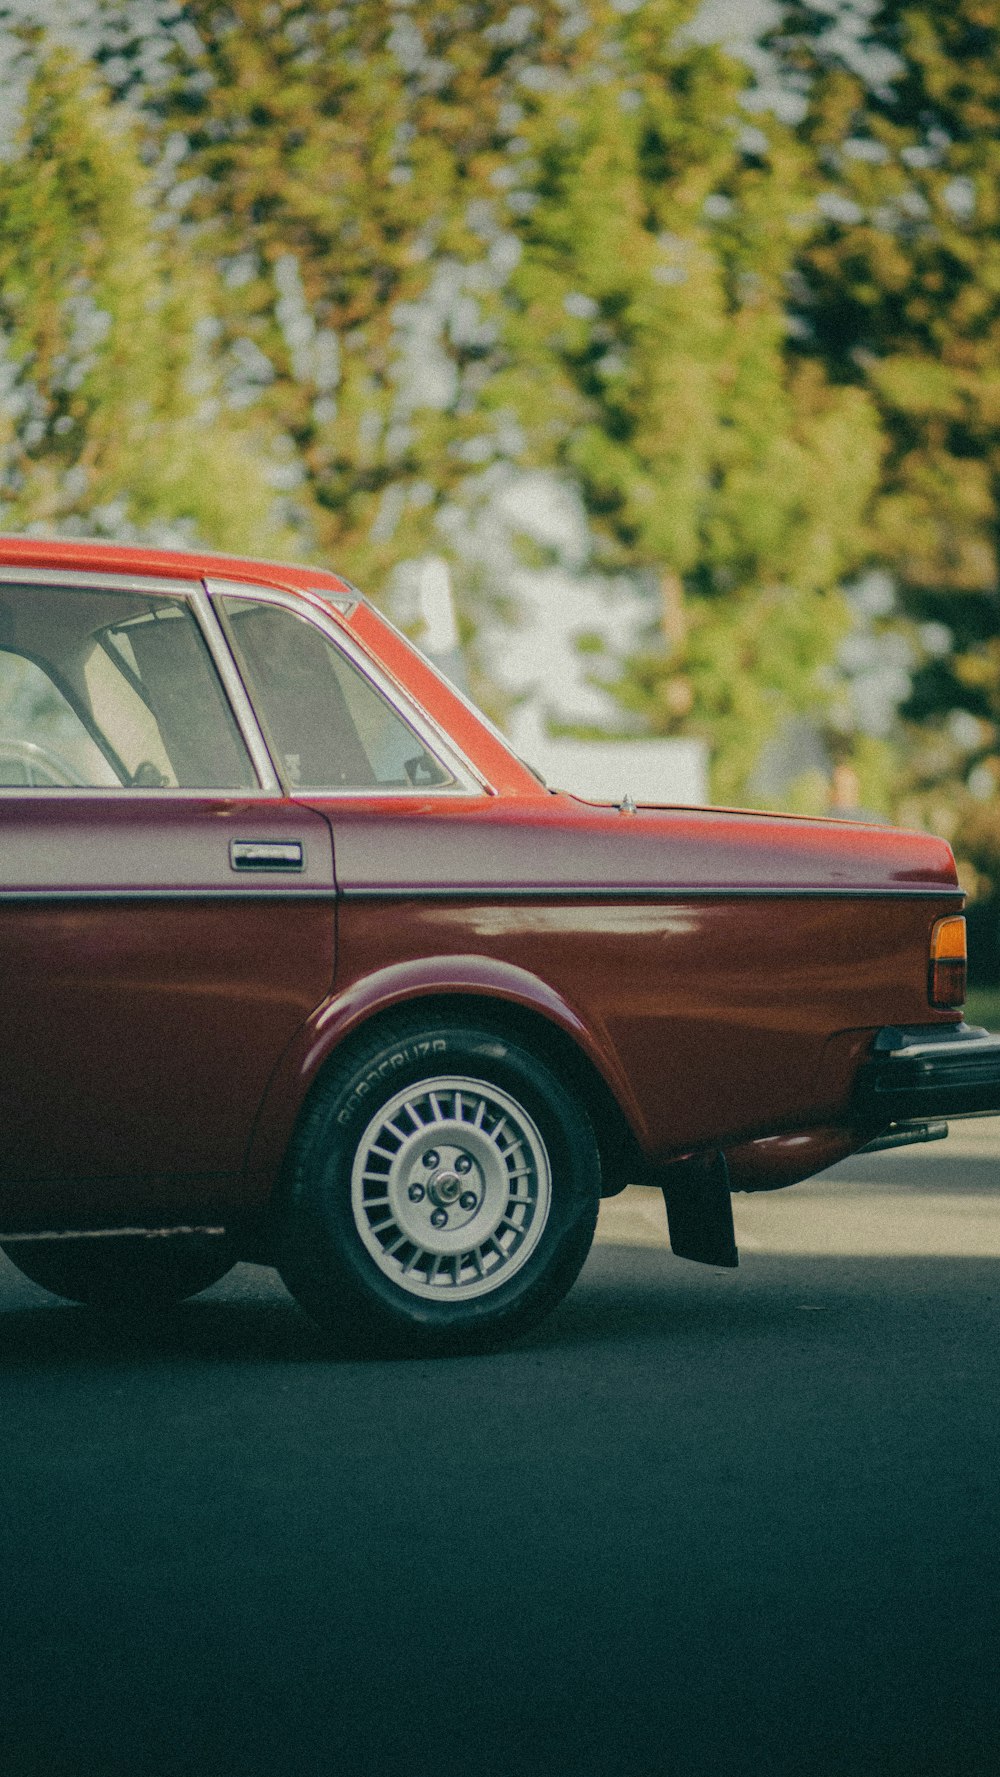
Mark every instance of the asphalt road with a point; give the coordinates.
(700, 1522)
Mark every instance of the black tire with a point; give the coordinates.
(519, 1192)
(124, 1273)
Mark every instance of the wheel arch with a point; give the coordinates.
(539, 1020)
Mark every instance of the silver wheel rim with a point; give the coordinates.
(451, 1188)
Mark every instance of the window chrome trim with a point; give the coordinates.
(468, 780)
(464, 699)
(234, 688)
(254, 793)
(90, 580)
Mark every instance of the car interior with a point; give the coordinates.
(115, 689)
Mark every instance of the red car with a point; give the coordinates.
(302, 965)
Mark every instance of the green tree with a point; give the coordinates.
(344, 165)
(109, 416)
(649, 359)
(899, 296)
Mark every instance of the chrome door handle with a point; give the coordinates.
(266, 854)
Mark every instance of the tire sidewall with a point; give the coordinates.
(338, 1274)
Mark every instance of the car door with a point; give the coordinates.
(351, 745)
(166, 912)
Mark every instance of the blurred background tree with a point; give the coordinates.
(110, 417)
(649, 319)
(897, 292)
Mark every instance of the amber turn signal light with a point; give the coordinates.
(946, 986)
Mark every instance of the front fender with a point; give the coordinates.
(404, 983)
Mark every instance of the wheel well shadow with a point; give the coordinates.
(621, 1157)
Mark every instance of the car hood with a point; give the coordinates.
(557, 844)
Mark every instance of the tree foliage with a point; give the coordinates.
(648, 335)
(108, 416)
(899, 296)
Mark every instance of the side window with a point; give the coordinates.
(328, 726)
(43, 742)
(111, 689)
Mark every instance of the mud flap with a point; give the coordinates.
(700, 1210)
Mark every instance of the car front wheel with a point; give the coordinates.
(442, 1192)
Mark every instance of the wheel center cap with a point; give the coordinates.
(444, 1186)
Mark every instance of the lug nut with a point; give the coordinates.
(463, 1164)
(416, 1193)
(432, 1158)
(439, 1218)
(467, 1200)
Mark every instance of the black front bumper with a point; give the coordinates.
(921, 1071)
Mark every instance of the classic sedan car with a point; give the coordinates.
(302, 965)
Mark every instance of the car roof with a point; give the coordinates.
(98, 556)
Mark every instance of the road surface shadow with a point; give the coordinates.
(640, 1293)
(634, 1294)
(263, 1325)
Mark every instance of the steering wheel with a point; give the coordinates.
(41, 766)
